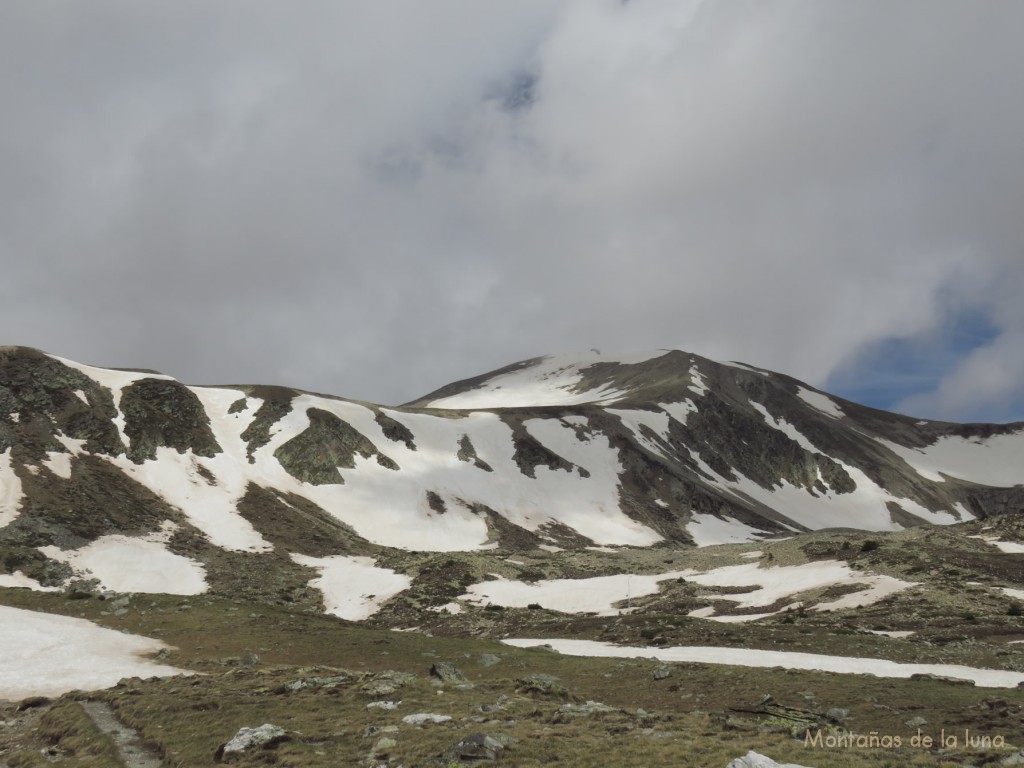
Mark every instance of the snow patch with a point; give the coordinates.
(553, 380)
(993, 461)
(708, 530)
(10, 490)
(778, 583)
(698, 383)
(594, 595)
(752, 657)
(820, 402)
(20, 580)
(127, 564)
(353, 587)
(679, 411)
(1009, 547)
(181, 479)
(48, 655)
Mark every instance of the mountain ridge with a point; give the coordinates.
(666, 446)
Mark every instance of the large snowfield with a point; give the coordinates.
(47, 655)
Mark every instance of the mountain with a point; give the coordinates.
(719, 531)
(564, 450)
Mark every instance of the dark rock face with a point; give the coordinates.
(160, 413)
(38, 400)
(328, 443)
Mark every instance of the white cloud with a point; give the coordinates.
(338, 199)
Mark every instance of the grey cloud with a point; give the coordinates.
(375, 199)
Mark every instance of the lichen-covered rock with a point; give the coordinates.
(478, 747)
(543, 684)
(422, 718)
(315, 454)
(266, 736)
(164, 413)
(447, 672)
(756, 760)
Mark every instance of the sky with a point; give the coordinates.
(376, 199)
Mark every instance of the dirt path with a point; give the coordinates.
(132, 751)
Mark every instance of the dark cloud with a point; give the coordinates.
(375, 199)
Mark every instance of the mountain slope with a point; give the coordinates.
(565, 450)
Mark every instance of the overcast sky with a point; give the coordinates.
(376, 198)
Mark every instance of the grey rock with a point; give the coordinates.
(586, 710)
(422, 718)
(916, 722)
(838, 713)
(547, 685)
(447, 672)
(387, 705)
(756, 760)
(662, 671)
(386, 683)
(479, 746)
(384, 744)
(266, 736)
(1017, 758)
(488, 660)
(941, 678)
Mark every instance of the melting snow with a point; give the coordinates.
(1009, 547)
(178, 479)
(19, 579)
(752, 657)
(353, 587)
(600, 594)
(47, 655)
(551, 381)
(820, 402)
(994, 461)
(707, 530)
(595, 595)
(10, 490)
(391, 507)
(59, 462)
(656, 421)
(1016, 593)
(680, 410)
(699, 383)
(774, 584)
(127, 564)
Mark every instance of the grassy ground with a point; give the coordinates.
(698, 716)
(250, 651)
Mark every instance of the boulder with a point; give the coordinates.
(447, 672)
(422, 718)
(544, 684)
(266, 736)
(478, 747)
(586, 710)
(756, 760)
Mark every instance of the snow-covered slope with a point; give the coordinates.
(567, 450)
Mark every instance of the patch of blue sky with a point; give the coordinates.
(890, 370)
